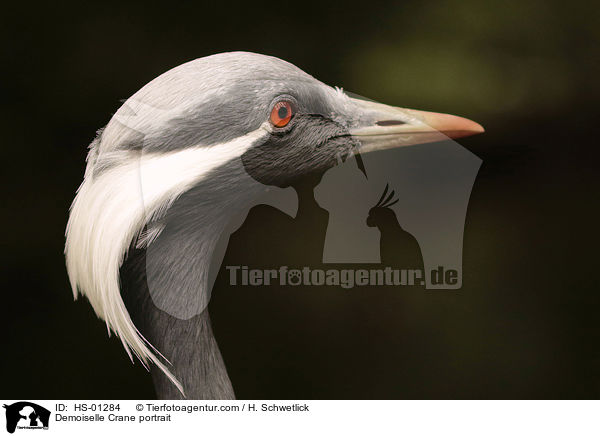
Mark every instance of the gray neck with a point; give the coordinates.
(197, 363)
(166, 287)
(188, 344)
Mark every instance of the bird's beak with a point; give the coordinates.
(380, 126)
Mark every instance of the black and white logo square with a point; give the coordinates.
(26, 415)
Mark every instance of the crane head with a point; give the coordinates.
(216, 122)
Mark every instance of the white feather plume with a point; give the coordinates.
(111, 209)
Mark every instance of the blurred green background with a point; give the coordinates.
(525, 324)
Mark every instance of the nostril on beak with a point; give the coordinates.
(390, 123)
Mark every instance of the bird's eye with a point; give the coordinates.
(281, 114)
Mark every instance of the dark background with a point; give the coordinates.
(524, 325)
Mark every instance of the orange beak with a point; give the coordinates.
(382, 126)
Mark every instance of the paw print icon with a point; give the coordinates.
(294, 277)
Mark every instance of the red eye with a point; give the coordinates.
(281, 114)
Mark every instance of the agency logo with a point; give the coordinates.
(26, 415)
(401, 207)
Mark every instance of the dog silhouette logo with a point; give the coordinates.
(26, 415)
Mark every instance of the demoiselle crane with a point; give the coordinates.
(187, 145)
